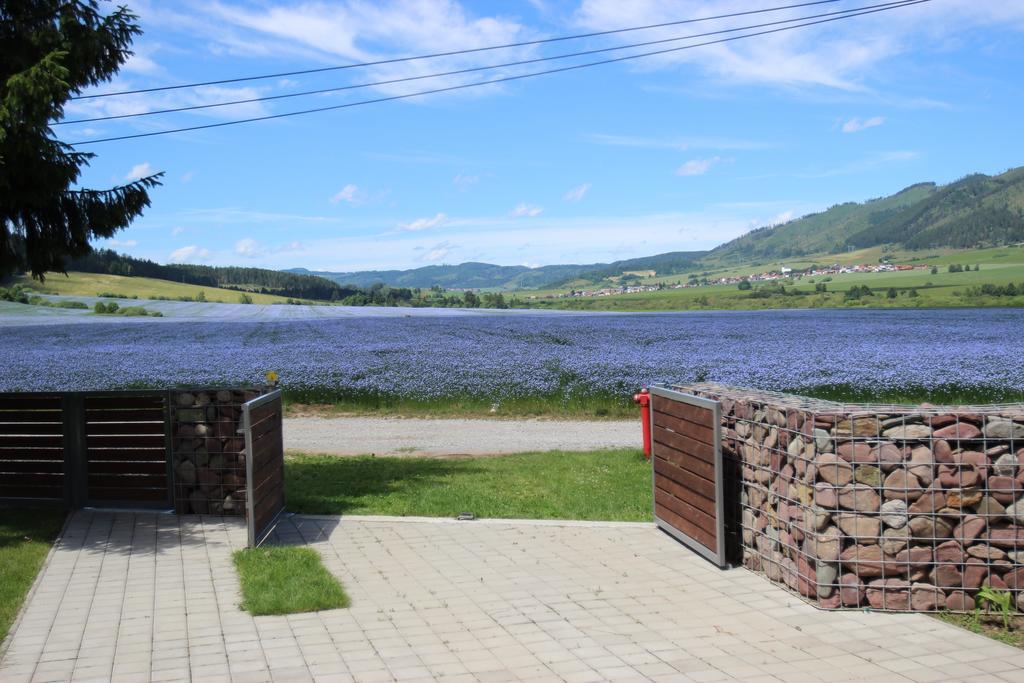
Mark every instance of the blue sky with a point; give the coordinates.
(673, 152)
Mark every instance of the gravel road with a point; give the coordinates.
(453, 437)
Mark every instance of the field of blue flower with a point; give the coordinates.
(568, 361)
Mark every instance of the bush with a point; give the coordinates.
(244, 299)
(100, 308)
(744, 284)
(15, 294)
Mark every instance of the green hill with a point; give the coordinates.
(974, 212)
(469, 275)
(473, 275)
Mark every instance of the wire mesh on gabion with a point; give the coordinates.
(209, 450)
(888, 507)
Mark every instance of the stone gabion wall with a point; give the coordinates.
(892, 507)
(209, 451)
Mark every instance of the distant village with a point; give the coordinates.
(783, 273)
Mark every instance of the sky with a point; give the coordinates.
(679, 151)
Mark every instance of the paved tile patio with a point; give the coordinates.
(140, 597)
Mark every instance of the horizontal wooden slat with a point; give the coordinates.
(126, 467)
(15, 402)
(685, 460)
(99, 428)
(7, 428)
(139, 454)
(687, 527)
(683, 411)
(50, 466)
(266, 426)
(144, 415)
(31, 441)
(702, 433)
(133, 441)
(122, 495)
(685, 444)
(127, 481)
(685, 478)
(33, 479)
(262, 412)
(123, 402)
(51, 492)
(687, 494)
(30, 415)
(31, 454)
(686, 511)
(265, 448)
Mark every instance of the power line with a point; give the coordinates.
(321, 91)
(453, 52)
(503, 79)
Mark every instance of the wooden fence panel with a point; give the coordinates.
(127, 444)
(264, 464)
(687, 471)
(32, 447)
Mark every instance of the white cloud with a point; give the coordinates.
(577, 193)
(189, 253)
(697, 166)
(676, 143)
(838, 55)
(784, 217)
(139, 103)
(526, 210)
(464, 182)
(424, 223)
(139, 171)
(438, 252)
(854, 125)
(122, 243)
(357, 30)
(187, 176)
(248, 247)
(177, 231)
(866, 164)
(141, 64)
(350, 194)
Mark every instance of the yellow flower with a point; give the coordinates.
(271, 377)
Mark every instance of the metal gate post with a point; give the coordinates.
(76, 465)
(250, 502)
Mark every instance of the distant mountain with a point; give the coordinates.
(469, 275)
(474, 275)
(975, 211)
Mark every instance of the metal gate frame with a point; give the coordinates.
(719, 557)
(256, 536)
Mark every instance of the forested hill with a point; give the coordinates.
(462, 276)
(975, 211)
(488, 276)
(260, 280)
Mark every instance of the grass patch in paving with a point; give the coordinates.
(596, 485)
(25, 537)
(286, 580)
(989, 625)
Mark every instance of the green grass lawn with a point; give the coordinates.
(598, 485)
(25, 538)
(93, 284)
(286, 580)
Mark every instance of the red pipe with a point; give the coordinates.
(643, 399)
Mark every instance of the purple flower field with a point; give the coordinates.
(860, 355)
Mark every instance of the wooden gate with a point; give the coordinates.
(264, 465)
(127, 440)
(686, 456)
(32, 442)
